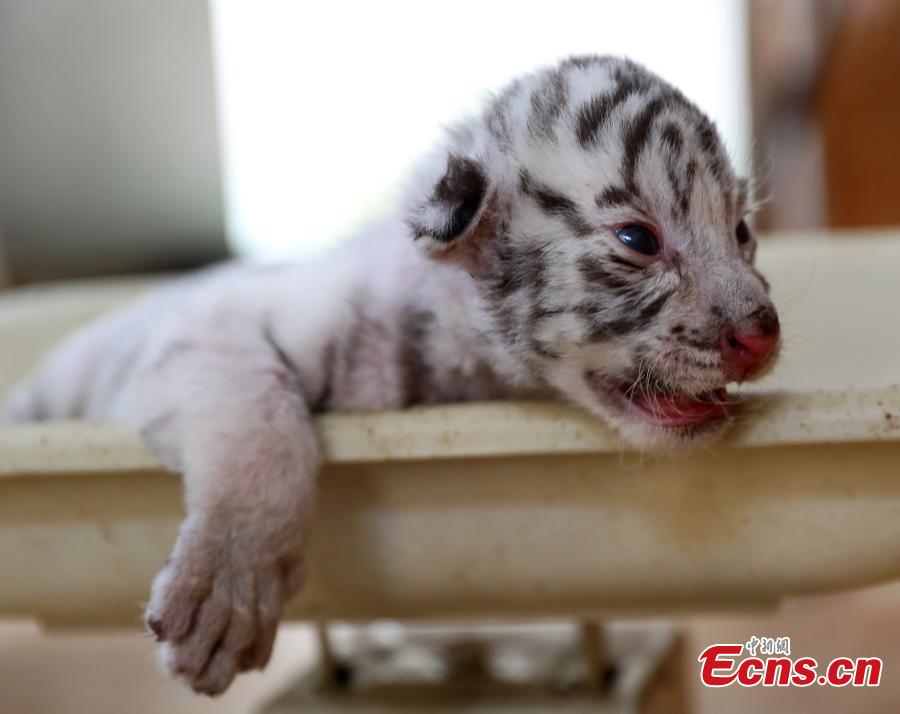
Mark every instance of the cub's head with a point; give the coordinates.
(601, 218)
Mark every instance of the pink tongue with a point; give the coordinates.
(679, 410)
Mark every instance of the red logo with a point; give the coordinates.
(721, 665)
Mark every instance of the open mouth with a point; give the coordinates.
(675, 410)
(667, 410)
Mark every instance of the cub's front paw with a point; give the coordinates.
(215, 605)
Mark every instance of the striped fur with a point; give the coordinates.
(500, 276)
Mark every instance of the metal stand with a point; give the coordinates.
(387, 667)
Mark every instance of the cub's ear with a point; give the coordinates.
(455, 198)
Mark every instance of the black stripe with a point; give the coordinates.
(604, 330)
(415, 368)
(269, 336)
(687, 188)
(622, 263)
(497, 121)
(716, 163)
(543, 350)
(652, 309)
(614, 196)
(323, 399)
(671, 135)
(555, 204)
(584, 61)
(594, 271)
(637, 133)
(594, 114)
(706, 134)
(520, 268)
(682, 187)
(742, 192)
(547, 104)
(635, 76)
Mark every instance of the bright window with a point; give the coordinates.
(324, 106)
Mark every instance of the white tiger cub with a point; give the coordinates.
(584, 237)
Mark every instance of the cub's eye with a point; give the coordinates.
(743, 233)
(639, 238)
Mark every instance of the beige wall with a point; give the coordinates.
(109, 157)
(4, 275)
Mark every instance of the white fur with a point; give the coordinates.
(220, 372)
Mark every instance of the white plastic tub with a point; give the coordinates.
(512, 509)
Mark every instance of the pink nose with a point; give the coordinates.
(745, 350)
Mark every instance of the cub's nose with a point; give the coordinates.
(747, 347)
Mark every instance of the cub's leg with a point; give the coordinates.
(230, 416)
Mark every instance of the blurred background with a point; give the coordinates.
(139, 136)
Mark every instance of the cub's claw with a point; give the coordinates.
(215, 607)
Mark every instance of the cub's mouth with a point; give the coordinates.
(664, 408)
